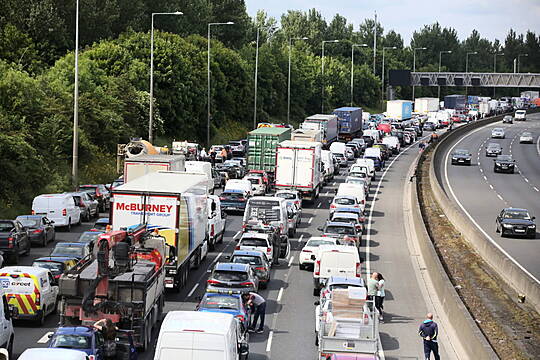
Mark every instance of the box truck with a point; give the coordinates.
(307, 135)
(349, 122)
(328, 124)
(145, 164)
(299, 166)
(426, 105)
(175, 205)
(455, 101)
(263, 143)
(399, 109)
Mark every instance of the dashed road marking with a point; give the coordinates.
(319, 205)
(491, 186)
(280, 294)
(269, 343)
(291, 260)
(193, 290)
(236, 235)
(526, 180)
(310, 220)
(500, 197)
(485, 178)
(300, 238)
(45, 338)
(481, 170)
(535, 188)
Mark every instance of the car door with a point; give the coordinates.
(21, 235)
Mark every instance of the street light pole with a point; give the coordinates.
(208, 100)
(467, 68)
(495, 68)
(382, 84)
(520, 55)
(289, 79)
(151, 118)
(352, 68)
(256, 71)
(322, 72)
(440, 60)
(414, 65)
(75, 165)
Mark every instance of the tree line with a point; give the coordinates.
(37, 67)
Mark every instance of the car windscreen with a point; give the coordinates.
(71, 342)
(221, 302)
(504, 158)
(461, 152)
(232, 196)
(222, 275)
(6, 226)
(341, 230)
(54, 267)
(100, 225)
(344, 201)
(254, 181)
(493, 146)
(353, 180)
(526, 134)
(253, 242)
(247, 259)
(89, 237)
(31, 223)
(523, 215)
(67, 250)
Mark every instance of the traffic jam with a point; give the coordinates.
(168, 211)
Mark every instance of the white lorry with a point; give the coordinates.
(202, 167)
(426, 105)
(201, 335)
(299, 166)
(328, 124)
(174, 204)
(145, 164)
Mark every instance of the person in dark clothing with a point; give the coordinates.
(429, 332)
(259, 303)
(213, 157)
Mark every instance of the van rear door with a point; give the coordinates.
(21, 290)
(337, 263)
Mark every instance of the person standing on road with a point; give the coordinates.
(213, 156)
(203, 155)
(429, 332)
(379, 298)
(372, 284)
(260, 311)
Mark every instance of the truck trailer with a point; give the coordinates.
(328, 124)
(263, 143)
(307, 135)
(145, 164)
(349, 122)
(299, 166)
(426, 105)
(174, 205)
(399, 109)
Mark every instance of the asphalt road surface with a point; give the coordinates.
(289, 331)
(482, 193)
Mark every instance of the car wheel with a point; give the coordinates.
(41, 319)
(28, 247)
(10, 347)
(53, 236)
(301, 266)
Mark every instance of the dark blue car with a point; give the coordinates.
(90, 340)
(228, 302)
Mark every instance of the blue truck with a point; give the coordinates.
(349, 122)
(455, 102)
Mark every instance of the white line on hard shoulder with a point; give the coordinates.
(280, 294)
(310, 220)
(269, 344)
(193, 290)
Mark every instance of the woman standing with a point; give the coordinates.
(379, 297)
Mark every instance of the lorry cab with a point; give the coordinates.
(198, 335)
(59, 208)
(31, 290)
(217, 220)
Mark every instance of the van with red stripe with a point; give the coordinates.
(32, 290)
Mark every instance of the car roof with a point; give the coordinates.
(339, 223)
(32, 270)
(93, 232)
(219, 293)
(209, 322)
(52, 354)
(345, 215)
(71, 244)
(255, 253)
(60, 259)
(79, 330)
(254, 234)
(30, 216)
(515, 209)
(232, 267)
(345, 281)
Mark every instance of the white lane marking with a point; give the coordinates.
(280, 294)
(300, 238)
(269, 344)
(500, 197)
(481, 170)
(319, 205)
(45, 338)
(469, 215)
(334, 183)
(327, 193)
(485, 178)
(526, 180)
(193, 290)
(535, 188)
(372, 207)
(236, 235)
(217, 258)
(310, 220)
(491, 186)
(538, 146)
(291, 260)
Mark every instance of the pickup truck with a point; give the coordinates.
(217, 221)
(14, 240)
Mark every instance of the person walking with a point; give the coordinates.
(372, 284)
(224, 154)
(259, 303)
(379, 298)
(422, 146)
(213, 156)
(428, 332)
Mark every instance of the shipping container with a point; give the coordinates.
(455, 102)
(426, 105)
(349, 122)
(263, 143)
(328, 124)
(146, 164)
(399, 109)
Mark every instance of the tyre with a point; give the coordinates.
(28, 247)
(41, 319)
(301, 266)
(10, 347)
(221, 237)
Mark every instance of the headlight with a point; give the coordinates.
(468, 159)
(531, 226)
(507, 226)
(454, 158)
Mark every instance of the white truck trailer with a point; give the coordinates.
(328, 124)
(145, 164)
(175, 205)
(299, 166)
(426, 105)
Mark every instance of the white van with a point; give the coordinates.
(338, 148)
(33, 284)
(356, 190)
(198, 335)
(335, 260)
(271, 210)
(53, 354)
(374, 134)
(59, 208)
(239, 185)
(373, 152)
(257, 184)
(7, 335)
(202, 167)
(328, 163)
(393, 143)
(370, 164)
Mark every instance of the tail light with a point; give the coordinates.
(366, 319)
(317, 269)
(237, 247)
(358, 270)
(81, 205)
(363, 202)
(242, 199)
(57, 276)
(38, 231)
(64, 212)
(210, 281)
(241, 318)
(333, 206)
(260, 268)
(91, 357)
(268, 250)
(247, 284)
(10, 242)
(38, 299)
(222, 198)
(33, 212)
(307, 251)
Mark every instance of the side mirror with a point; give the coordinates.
(534, 217)
(13, 311)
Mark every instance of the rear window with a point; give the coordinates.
(341, 230)
(254, 181)
(67, 250)
(253, 242)
(230, 275)
(232, 196)
(30, 222)
(317, 243)
(71, 342)
(337, 260)
(221, 302)
(6, 226)
(244, 259)
(344, 201)
(89, 237)
(287, 196)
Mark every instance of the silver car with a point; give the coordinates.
(497, 133)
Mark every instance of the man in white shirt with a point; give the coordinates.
(260, 311)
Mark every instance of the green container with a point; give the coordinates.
(263, 143)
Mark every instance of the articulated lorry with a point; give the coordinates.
(426, 105)
(399, 109)
(328, 124)
(263, 143)
(174, 205)
(299, 166)
(349, 122)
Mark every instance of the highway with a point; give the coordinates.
(289, 332)
(482, 194)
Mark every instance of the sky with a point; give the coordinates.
(492, 18)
